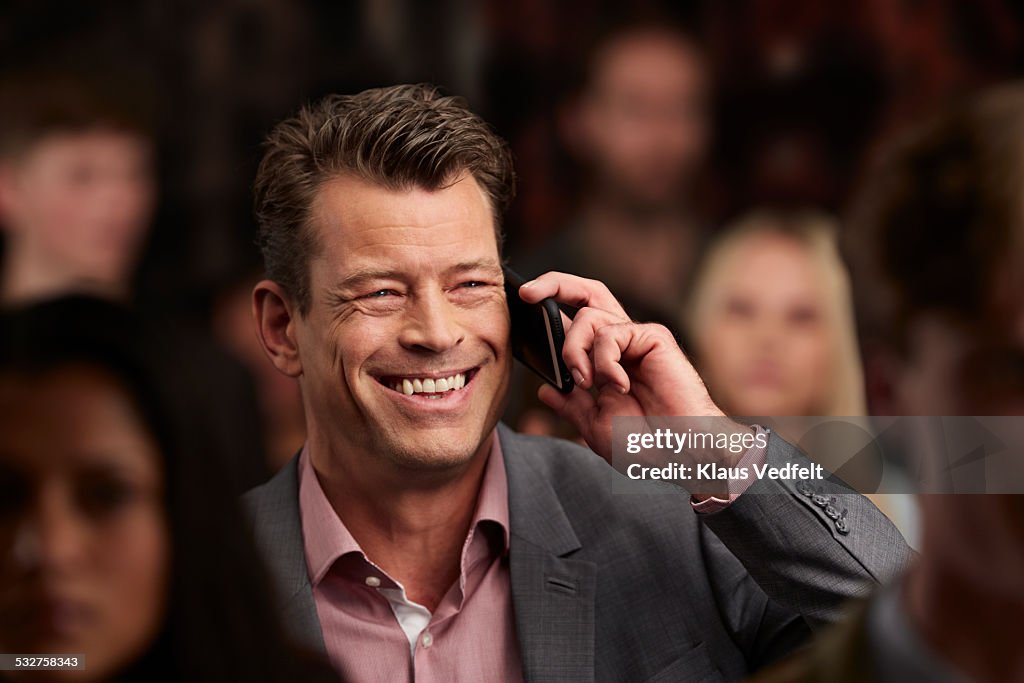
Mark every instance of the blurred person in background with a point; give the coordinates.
(936, 245)
(770, 319)
(77, 186)
(77, 193)
(771, 323)
(119, 538)
(639, 128)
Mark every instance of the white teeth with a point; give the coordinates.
(430, 385)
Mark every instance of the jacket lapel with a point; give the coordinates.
(277, 525)
(552, 593)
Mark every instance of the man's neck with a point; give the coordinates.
(26, 278)
(415, 533)
(961, 617)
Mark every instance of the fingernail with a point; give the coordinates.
(622, 390)
(577, 376)
(526, 284)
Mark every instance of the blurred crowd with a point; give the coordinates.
(703, 159)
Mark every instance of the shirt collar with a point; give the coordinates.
(326, 538)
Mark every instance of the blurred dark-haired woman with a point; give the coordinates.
(120, 541)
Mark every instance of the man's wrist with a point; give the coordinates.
(743, 462)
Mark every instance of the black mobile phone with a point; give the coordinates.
(537, 334)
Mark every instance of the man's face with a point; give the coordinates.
(81, 202)
(643, 124)
(407, 300)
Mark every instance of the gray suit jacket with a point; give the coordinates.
(637, 587)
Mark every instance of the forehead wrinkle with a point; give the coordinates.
(367, 252)
(394, 242)
(353, 196)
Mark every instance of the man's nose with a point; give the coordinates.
(433, 325)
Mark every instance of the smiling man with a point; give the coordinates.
(415, 538)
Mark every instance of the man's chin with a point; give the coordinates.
(434, 460)
(437, 450)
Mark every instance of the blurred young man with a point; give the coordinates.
(77, 193)
(76, 188)
(639, 129)
(937, 249)
(415, 538)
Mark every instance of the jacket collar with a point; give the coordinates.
(535, 511)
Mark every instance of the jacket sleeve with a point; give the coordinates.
(810, 546)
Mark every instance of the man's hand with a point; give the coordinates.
(635, 369)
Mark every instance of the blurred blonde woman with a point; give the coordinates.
(771, 319)
(771, 324)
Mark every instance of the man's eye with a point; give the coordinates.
(473, 283)
(381, 293)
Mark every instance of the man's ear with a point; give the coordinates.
(276, 320)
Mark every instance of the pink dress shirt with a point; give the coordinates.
(374, 633)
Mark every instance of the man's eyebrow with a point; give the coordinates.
(362, 277)
(487, 264)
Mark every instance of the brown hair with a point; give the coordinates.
(38, 102)
(940, 217)
(398, 137)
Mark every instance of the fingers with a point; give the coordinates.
(579, 342)
(620, 344)
(610, 342)
(572, 290)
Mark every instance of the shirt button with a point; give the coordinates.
(427, 640)
(372, 581)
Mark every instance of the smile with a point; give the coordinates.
(429, 387)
